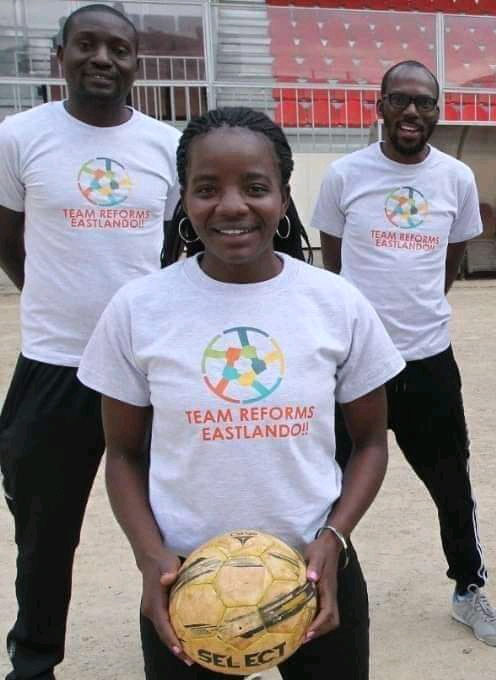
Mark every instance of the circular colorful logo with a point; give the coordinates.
(243, 365)
(406, 208)
(104, 182)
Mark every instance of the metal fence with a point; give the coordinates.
(316, 71)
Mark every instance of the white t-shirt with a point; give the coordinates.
(94, 200)
(242, 379)
(395, 221)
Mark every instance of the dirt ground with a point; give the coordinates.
(412, 634)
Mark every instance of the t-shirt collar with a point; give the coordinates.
(197, 277)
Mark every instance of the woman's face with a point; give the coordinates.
(234, 200)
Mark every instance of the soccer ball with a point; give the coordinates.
(242, 603)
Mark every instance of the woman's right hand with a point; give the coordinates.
(158, 577)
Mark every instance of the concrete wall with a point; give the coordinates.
(6, 286)
(305, 184)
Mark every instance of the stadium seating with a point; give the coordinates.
(300, 107)
(349, 48)
(346, 48)
(470, 52)
(291, 113)
(470, 107)
(353, 49)
(447, 6)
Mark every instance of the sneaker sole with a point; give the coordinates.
(486, 642)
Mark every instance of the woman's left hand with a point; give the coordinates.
(322, 556)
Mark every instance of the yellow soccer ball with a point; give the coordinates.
(242, 603)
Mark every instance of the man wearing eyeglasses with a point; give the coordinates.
(394, 219)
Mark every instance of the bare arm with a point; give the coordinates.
(126, 434)
(366, 422)
(454, 257)
(12, 254)
(331, 252)
(126, 428)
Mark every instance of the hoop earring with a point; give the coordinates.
(286, 235)
(182, 236)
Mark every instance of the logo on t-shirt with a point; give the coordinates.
(104, 182)
(243, 365)
(406, 208)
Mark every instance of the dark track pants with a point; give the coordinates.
(51, 442)
(340, 655)
(425, 412)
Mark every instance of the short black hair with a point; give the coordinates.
(412, 63)
(256, 121)
(96, 7)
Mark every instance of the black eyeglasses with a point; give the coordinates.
(423, 103)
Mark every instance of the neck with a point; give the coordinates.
(98, 113)
(408, 159)
(246, 272)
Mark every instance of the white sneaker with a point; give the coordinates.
(474, 610)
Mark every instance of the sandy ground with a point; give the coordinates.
(412, 634)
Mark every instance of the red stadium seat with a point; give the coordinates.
(453, 106)
(469, 107)
(290, 68)
(322, 113)
(450, 6)
(340, 109)
(476, 107)
(425, 6)
(292, 94)
(488, 105)
(484, 7)
(293, 114)
(299, 94)
(369, 113)
(353, 112)
(324, 108)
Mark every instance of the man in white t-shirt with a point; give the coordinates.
(394, 218)
(86, 187)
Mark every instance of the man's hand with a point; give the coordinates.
(12, 254)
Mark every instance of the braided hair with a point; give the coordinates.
(242, 117)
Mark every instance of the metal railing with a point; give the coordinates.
(330, 62)
(175, 102)
(160, 67)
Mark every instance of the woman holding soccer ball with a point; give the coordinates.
(235, 357)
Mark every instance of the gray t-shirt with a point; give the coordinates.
(94, 200)
(242, 379)
(395, 221)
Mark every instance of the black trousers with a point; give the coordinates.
(340, 655)
(425, 412)
(51, 442)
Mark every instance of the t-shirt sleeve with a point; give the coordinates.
(108, 364)
(328, 215)
(467, 223)
(372, 358)
(11, 185)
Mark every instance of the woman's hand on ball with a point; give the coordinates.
(322, 556)
(158, 577)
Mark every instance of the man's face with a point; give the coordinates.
(99, 60)
(409, 127)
